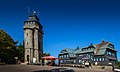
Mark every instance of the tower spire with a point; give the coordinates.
(28, 10)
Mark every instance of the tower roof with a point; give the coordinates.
(33, 18)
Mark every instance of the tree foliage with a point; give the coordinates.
(46, 54)
(117, 62)
(20, 52)
(7, 48)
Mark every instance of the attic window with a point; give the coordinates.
(66, 55)
(111, 46)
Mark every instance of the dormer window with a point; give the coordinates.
(66, 55)
(111, 46)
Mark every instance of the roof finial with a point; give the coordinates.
(28, 10)
(34, 12)
(38, 13)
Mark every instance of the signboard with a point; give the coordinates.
(34, 60)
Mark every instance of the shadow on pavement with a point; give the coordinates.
(57, 70)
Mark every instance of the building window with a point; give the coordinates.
(113, 54)
(28, 23)
(96, 59)
(65, 61)
(91, 57)
(100, 59)
(103, 59)
(74, 61)
(27, 34)
(80, 55)
(79, 61)
(61, 61)
(109, 53)
(33, 22)
(27, 43)
(66, 55)
(87, 54)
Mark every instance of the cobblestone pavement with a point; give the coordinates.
(35, 68)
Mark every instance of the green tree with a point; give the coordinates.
(7, 47)
(20, 52)
(117, 62)
(46, 54)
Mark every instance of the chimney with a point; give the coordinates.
(103, 41)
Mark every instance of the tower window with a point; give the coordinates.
(27, 34)
(27, 42)
(26, 23)
(27, 57)
(33, 22)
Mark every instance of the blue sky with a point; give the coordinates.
(67, 23)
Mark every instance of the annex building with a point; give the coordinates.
(103, 54)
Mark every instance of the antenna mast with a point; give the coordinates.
(38, 13)
(28, 10)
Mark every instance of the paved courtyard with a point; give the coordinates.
(35, 68)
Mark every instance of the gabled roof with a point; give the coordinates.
(98, 49)
(71, 52)
(90, 48)
(87, 51)
(102, 47)
(67, 50)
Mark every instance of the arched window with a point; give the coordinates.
(27, 43)
(100, 59)
(103, 59)
(27, 34)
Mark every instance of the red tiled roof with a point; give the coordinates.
(49, 57)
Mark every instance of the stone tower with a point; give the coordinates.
(33, 39)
